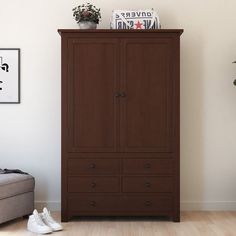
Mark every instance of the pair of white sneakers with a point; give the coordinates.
(42, 223)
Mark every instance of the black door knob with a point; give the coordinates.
(123, 94)
(117, 94)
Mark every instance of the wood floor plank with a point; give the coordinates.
(192, 224)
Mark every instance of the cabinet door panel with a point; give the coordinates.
(146, 110)
(92, 105)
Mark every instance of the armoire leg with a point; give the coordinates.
(176, 218)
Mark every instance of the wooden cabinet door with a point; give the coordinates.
(147, 103)
(92, 84)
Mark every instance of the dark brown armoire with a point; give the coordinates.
(120, 123)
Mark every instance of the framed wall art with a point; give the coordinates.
(9, 75)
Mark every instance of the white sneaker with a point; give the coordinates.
(49, 221)
(36, 225)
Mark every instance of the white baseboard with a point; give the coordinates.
(184, 206)
(52, 206)
(208, 206)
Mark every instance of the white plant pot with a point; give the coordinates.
(87, 25)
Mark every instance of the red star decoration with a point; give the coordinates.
(138, 25)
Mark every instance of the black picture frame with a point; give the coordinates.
(17, 100)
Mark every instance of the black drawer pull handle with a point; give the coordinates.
(92, 166)
(148, 166)
(93, 185)
(148, 185)
(92, 203)
(148, 203)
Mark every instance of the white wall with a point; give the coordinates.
(30, 132)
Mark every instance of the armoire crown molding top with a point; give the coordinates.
(163, 31)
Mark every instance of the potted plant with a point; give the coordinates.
(235, 79)
(87, 16)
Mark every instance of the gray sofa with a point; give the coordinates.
(16, 196)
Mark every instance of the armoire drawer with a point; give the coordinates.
(93, 184)
(148, 166)
(147, 203)
(93, 166)
(93, 203)
(147, 184)
(119, 205)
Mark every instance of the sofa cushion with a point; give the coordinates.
(15, 184)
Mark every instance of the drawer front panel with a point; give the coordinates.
(147, 203)
(148, 166)
(93, 166)
(93, 184)
(120, 204)
(147, 184)
(93, 203)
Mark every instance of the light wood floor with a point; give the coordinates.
(192, 224)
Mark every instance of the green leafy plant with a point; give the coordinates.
(87, 12)
(235, 79)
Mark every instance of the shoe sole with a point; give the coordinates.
(56, 230)
(36, 232)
